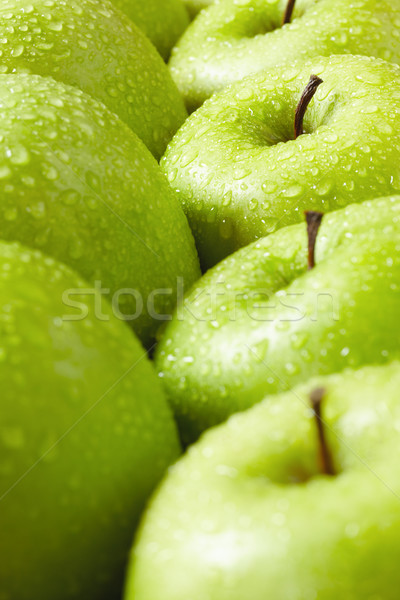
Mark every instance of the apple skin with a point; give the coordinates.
(85, 435)
(247, 514)
(259, 323)
(195, 6)
(78, 184)
(231, 39)
(93, 46)
(163, 21)
(239, 173)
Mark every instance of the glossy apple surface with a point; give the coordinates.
(240, 174)
(163, 21)
(260, 322)
(233, 39)
(78, 184)
(96, 48)
(248, 514)
(85, 435)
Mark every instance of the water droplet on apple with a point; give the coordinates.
(227, 198)
(5, 172)
(293, 191)
(269, 187)
(37, 210)
(253, 204)
(292, 368)
(226, 228)
(269, 224)
(50, 172)
(172, 174)
(69, 197)
(324, 187)
(369, 110)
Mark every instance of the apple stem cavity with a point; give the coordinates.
(306, 97)
(314, 220)
(316, 398)
(287, 17)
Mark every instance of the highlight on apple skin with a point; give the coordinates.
(91, 45)
(85, 435)
(78, 184)
(232, 39)
(249, 513)
(240, 174)
(261, 321)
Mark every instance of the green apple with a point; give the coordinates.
(85, 434)
(195, 6)
(93, 46)
(233, 39)
(163, 21)
(77, 183)
(260, 322)
(241, 174)
(250, 513)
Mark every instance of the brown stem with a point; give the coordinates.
(316, 398)
(288, 12)
(305, 100)
(314, 220)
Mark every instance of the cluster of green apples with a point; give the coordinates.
(95, 249)
(226, 284)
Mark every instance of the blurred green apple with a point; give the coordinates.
(240, 173)
(93, 46)
(163, 21)
(233, 39)
(249, 513)
(78, 184)
(260, 322)
(85, 434)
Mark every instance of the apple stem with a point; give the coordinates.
(305, 100)
(316, 398)
(288, 12)
(314, 220)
